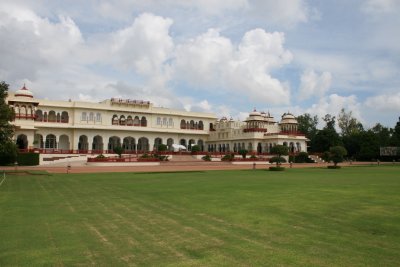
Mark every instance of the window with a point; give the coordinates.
(165, 121)
(84, 116)
(91, 116)
(158, 120)
(171, 122)
(98, 117)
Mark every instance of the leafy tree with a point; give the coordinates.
(280, 151)
(396, 134)
(337, 154)
(162, 147)
(308, 126)
(348, 124)
(277, 160)
(8, 150)
(195, 149)
(118, 150)
(243, 152)
(328, 136)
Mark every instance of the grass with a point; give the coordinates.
(300, 217)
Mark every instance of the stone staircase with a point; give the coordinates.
(316, 159)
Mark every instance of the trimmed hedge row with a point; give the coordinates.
(28, 159)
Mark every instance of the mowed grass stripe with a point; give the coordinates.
(299, 218)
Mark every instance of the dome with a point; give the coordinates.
(288, 118)
(269, 118)
(24, 92)
(254, 113)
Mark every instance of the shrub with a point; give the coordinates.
(118, 150)
(276, 169)
(206, 158)
(28, 159)
(162, 147)
(144, 156)
(302, 157)
(195, 149)
(253, 157)
(277, 160)
(337, 154)
(243, 152)
(228, 157)
(101, 156)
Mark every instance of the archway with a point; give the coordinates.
(83, 143)
(22, 141)
(51, 141)
(64, 117)
(259, 148)
(39, 115)
(113, 142)
(52, 116)
(157, 142)
(38, 141)
(143, 144)
(182, 142)
(191, 143)
(98, 143)
(129, 144)
(170, 142)
(63, 142)
(200, 143)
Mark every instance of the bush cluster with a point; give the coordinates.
(28, 159)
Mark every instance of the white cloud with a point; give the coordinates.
(384, 103)
(333, 103)
(313, 84)
(380, 6)
(213, 61)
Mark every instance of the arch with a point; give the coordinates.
(63, 142)
(143, 122)
(201, 125)
(64, 117)
(129, 144)
(291, 147)
(83, 143)
(183, 124)
(298, 146)
(200, 143)
(183, 142)
(259, 148)
(285, 143)
(39, 115)
(158, 120)
(45, 117)
(192, 142)
(115, 120)
(84, 116)
(143, 144)
(52, 116)
(235, 149)
(136, 121)
(157, 142)
(38, 141)
(22, 141)
(98, 117)
(170, 142)
(191, 125)
(170, 122)
(98, 143)
(51, 141)
(91, 116)
(58, 117)
(129, 121)
(122, 120)
(113, 141)
(22, 110)
(16, 110)
(250, 147)
(165, 122)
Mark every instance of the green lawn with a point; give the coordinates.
(300, 217)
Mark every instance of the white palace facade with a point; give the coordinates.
(137, 126)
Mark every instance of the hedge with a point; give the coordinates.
(28, 159)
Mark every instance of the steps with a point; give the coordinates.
(316, 159)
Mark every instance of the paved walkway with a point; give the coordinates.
(165, 167)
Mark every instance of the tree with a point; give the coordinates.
(337, 154)
(328, 136)
(280, 151)
(162, 147)
(8, 150)
(243, 152)
(396, 134)
(118, 150)
(308, 126)
(348, 124)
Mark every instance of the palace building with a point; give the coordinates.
(137, 126)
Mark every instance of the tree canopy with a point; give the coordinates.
(8, 150)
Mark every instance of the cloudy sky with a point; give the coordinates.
(222, 56)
